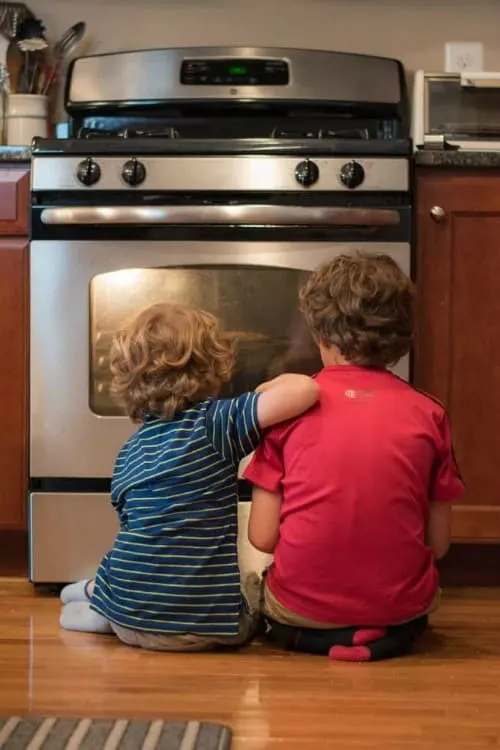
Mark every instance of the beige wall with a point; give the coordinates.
(412, 30)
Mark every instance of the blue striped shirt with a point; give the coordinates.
(174, 564)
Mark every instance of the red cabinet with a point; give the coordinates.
(457, 353)
(14, 248)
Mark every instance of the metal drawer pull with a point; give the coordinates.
(438, 214)
(216, 214)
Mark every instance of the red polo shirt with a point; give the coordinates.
(357, 473)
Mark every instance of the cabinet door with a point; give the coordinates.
(457, 352)
(13, 381)
(14, 199)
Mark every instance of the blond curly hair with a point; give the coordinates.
(168, 357)
(363, 305)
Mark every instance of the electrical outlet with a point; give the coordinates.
(459, 56)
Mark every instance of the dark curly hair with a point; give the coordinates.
(363, 305)
(168, 357)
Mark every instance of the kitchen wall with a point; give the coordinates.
(412, 30)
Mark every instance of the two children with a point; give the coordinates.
(352, 494)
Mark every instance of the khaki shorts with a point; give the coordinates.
(249, 618)
(276, 611)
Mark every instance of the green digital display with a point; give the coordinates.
(237, 70)
(230, 71)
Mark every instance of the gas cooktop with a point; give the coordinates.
(231, 118)
(235, 101)
(139, 145)
(280, 133)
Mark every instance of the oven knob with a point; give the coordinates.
(307, 173)
(134, 172)
(88, 172)
(352, 175)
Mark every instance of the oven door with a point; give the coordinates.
(81, 291)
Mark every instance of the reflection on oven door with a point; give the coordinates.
(257, 307)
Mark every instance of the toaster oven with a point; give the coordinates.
(456, 111)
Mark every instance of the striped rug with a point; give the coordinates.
(34, 733)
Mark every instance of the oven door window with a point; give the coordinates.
(257, 304)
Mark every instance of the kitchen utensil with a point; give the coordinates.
(14, 13)
(31, 41)
(42, 78)
(63, 49)
(34, 72)
(31, 35)
(4, 46)
(14, 66)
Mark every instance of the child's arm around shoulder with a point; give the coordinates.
(285, 397)
(266, 472)
(281, 399)
(234, 425)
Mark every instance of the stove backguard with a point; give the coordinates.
(323, 91)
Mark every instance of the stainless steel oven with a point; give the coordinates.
(231, 225)
(82, 291)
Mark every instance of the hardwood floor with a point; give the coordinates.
(445, 697)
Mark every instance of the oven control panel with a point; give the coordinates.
(235, 71)
(242, 173)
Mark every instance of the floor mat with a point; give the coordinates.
(38, 733)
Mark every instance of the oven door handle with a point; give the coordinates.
(230, 215)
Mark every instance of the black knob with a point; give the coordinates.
(134, 172)
(307, 173)
(88, 172)
(352, 175)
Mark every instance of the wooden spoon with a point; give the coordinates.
(14, 66)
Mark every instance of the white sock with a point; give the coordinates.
(78, 616)
(75, 592)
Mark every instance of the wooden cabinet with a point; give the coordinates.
(14, 198)
(457, 352)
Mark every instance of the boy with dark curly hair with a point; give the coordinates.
(354, 497)
(171, 581)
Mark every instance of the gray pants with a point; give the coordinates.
(77, 615)
(188, 641)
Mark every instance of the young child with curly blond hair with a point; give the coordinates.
(354, 497)
(171, 581)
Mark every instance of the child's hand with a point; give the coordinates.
(287, 377)
(271, 383)
(263, 386)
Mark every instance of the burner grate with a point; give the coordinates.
(315, 133)
(128, 133)
(304, 134)
(357, 134)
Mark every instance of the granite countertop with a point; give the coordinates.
(458, 159)
(15, 153)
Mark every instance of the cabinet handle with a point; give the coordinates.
(438, 214)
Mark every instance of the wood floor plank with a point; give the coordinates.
(447, 696)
